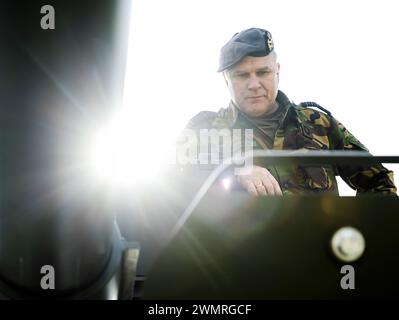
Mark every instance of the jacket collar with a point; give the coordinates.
(233, 115)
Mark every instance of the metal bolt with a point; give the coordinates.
(348, 244)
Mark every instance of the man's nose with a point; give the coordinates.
(254, 83)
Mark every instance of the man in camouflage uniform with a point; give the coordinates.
(251, 71)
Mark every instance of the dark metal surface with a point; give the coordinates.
(55, 87)
(240, 247)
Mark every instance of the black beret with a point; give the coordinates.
(250, 42)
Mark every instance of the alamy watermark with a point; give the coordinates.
(215, 147)
(348, 280)
(47, 22)
(47, 282)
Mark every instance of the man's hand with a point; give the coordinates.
(260, 182)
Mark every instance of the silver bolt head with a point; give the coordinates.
(348, 244)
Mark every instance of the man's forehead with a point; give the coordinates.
(253, 63)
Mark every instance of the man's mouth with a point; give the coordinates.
(257, 97)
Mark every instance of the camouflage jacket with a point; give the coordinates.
(305, 128)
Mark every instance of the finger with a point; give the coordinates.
(261, 190)
(267, 183)
(248, 185)
(270, 189)
(277, 189)
(251, 188)
(275, 185)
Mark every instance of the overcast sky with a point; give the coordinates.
(343, 55)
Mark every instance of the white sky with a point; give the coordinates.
(341, 54)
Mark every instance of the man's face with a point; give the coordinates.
(253, 84)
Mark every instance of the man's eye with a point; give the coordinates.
(264, 72)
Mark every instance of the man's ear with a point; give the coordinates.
(278, 72)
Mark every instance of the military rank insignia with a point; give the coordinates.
(269, 41)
